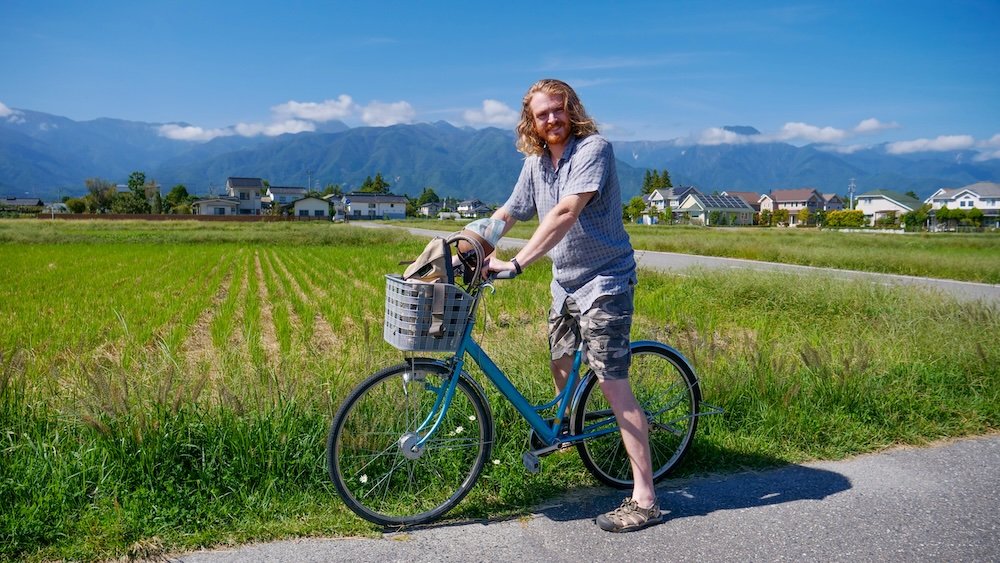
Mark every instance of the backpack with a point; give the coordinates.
(434, 266)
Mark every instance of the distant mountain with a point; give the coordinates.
(48, 156)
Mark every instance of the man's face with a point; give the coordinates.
(550, 118)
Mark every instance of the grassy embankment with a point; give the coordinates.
(165, 386)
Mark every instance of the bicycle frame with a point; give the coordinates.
(529, 411)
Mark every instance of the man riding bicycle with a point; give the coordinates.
(570, 181)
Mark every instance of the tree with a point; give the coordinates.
(654, 180)
(916, 219)
(805, 216)
(376, 186)
(975, 216)
(427, 196)
(765, 218)
(76, 204)
(100, 194)
(129, 203)
(633, 210)
(779, 217)
(177, 198)
(334, 190)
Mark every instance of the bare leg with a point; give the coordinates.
(560, 371)
(635, 435)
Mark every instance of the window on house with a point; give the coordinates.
(318, 213)
(219, 210)
(244, 196)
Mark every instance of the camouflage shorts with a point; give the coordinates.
(604, 328)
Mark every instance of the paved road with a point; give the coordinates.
(678, 263)
(931, 504)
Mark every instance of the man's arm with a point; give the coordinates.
(550, 231)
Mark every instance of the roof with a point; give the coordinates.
(830, 197)
(359, 197)
(750, 197)
(22, 201)
(237, 182)
(217, 199)
(287, 190)
(726, 202)
(678, 192)
(902, 199)
(981, 189)
(801, 194)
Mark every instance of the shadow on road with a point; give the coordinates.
(700, 496)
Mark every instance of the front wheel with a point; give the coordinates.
(382, 471)
(667, 390)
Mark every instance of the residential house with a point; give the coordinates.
(363, 205)
(216, 206)
(11, 202)
(878, 204)
(752, 198)
(716, 209)
(984, 196)
(247, 192)
(832, 202)
(473, 208)
(283, 195)
(430, 209)
(792, 200)
(314, 207)
(336, 203)
(658, 200)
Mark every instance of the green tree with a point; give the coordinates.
(804, 216)
(76, 204)
(654, 180)
(427, 196)
(100, 194)
(129, 203)
(177, 197)
(633, 209)
(376, 186)
(779, 216)
(765, 218)
(975, 216)
(916, 219)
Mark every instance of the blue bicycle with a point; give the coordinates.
(410, 441)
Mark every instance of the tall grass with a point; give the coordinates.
(165, 414)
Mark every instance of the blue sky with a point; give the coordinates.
(918, 75)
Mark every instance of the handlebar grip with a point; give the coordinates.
(505, 275)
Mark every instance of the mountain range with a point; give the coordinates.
(48, 156)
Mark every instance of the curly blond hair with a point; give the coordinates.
(581, 124)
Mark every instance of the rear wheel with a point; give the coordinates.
(668, 392)
(375, 458)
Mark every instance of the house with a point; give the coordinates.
(473, 208)
(216, 206)
(336, 203)
(430, 209)
(314, 207)
(282, 195)
(658, 200)
(984, 196)
(363, 205)
(716, 209)
(878, 204)
(752, 198)
(247, 192)
(792, 200)
(18, 202)
(832, 202)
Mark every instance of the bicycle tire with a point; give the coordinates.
(365, 456)
(668, 391)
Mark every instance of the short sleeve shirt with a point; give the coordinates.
(595, 257)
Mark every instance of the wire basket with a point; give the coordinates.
(409, 315)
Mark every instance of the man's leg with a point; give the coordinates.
(635, 435)
(560, 371)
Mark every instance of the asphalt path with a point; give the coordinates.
(938, 503)
(685, 263)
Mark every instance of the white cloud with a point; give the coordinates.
(192, 133)
(720, 136)
(274, 129)
(991, 149)
(4, 110)
(941, 143)
(842, 149)
(493, 113)
(12, 115)
(872, 125)
(322, 112)
(799, 130)
(378, 114)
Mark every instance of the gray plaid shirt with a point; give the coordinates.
(595, 257)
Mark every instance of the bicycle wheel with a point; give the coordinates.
(667, 389)
(374, 461)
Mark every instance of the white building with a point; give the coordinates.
(247, 192)
(877, 204)
(984, 196)
(361, 205)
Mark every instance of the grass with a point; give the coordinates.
(167, 386)
(960, 256)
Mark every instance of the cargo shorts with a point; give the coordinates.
(604, 329)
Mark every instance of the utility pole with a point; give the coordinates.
(850, 192)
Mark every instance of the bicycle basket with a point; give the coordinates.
(409, 315)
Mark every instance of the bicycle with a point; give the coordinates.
(409, 442)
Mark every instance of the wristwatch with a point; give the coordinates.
(517, 266)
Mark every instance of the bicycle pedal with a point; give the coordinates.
(531, 462)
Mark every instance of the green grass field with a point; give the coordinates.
(169, 385)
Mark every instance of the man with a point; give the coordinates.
(570, 181)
